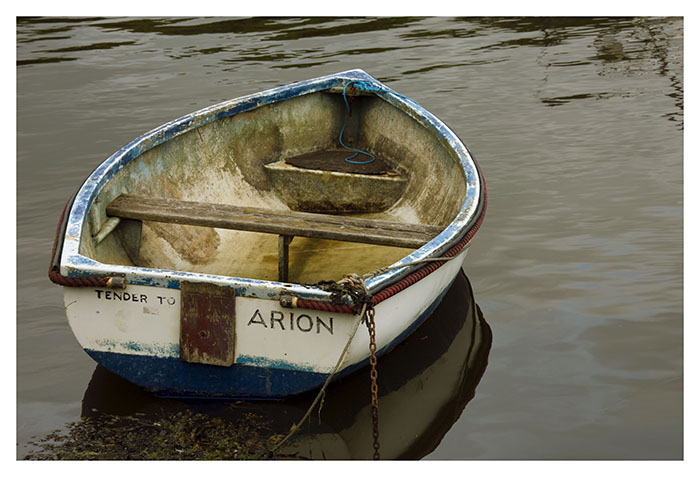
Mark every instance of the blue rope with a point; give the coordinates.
(368, 87)
(364, 86)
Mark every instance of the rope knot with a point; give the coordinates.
(356, 286)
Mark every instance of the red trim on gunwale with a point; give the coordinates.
(55, 269)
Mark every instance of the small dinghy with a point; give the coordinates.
(234, 252)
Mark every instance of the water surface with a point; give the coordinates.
(577, 124)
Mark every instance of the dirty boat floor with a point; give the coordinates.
(255, 255)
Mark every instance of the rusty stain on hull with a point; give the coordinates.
(207, 326)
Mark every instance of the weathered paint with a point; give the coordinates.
(143, 346)
(73, 263)
(302, 339)
(256, 377)
(139, 320)
(140, 341)
(107, 228)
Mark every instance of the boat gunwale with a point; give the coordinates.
(73, 264)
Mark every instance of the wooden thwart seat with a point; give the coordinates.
(286, 224)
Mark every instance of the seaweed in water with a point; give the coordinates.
(184, 435)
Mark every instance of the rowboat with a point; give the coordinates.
(233, 252)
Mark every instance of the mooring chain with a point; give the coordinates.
(366, 314)
(374, 389)
(365, 298)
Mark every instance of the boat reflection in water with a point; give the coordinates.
(424, 385)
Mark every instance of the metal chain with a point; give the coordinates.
(369, 314)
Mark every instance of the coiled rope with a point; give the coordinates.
(364, 86)
(370, 88)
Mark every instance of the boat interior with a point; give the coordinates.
(284, 158)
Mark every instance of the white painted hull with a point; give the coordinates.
(144, 322)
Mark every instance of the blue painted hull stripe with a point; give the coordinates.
(170, 377)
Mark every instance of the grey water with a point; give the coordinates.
(577, 124)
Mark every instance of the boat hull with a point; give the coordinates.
(279, 351)
(216, 300)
